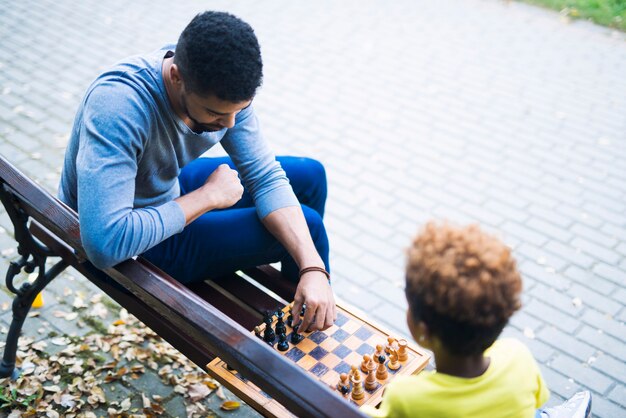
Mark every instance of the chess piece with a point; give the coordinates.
(393, 360)
(280, 324)
(381, 359)
(366, 360)
(370, 370)
(290, 317)
(257, 332)
(357, 385)
(379, 354)
(344, 385)
(381, 371)
(390, 345)
(370, 380)
(282, 345)
(268, 336)
(379, 351)
(402, 353)
(295, 337)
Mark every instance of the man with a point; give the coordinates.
(133, 174)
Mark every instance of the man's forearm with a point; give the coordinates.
(290, 228)
(222, 189)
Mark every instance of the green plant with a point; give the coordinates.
(610, 13)
(9, 399)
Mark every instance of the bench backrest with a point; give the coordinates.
(174, 306)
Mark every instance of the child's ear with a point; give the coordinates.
(423, 330)
(423, 335)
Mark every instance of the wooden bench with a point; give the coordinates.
(201, 321)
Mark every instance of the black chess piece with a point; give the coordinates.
(282, 345)
(269, 336)
(382, 358)
(290, 320)
(295, 337)
(280, 324)
(303, 310)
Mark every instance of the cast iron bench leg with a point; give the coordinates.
(22, 302)
(33, 256)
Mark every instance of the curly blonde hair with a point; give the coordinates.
(463, 283)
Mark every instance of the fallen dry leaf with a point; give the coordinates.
(198, 391)
(230, 405)
(68, 401)
(79, 303)
(220, 393)
(125, 405)
(99, 310)
(211, 385)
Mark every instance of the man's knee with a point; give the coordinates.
(303, 170)
(308, 180)
(315, 171)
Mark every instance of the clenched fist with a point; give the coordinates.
(223, 187)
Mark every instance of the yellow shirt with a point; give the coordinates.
(511, 387)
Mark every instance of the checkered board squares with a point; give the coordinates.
(325, 355)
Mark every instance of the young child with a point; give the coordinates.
(462, 286)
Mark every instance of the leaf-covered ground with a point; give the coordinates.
(73, 377)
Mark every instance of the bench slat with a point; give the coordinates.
(245, 318)
(271, 278)
(249, 294)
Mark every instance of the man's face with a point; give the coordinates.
(209, 113)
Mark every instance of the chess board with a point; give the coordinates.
(325, 355)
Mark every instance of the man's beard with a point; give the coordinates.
(198, 127)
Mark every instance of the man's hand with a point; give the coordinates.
(321, 311)
(223, 187)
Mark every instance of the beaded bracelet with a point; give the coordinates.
(309, 269)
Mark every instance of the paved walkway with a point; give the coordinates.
(474, 111)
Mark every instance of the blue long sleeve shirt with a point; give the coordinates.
(126, 149)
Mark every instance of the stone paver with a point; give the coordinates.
(485, 111)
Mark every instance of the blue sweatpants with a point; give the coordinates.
(226, 240)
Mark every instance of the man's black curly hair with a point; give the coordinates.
(219, 54)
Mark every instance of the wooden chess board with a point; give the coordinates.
(325, 355)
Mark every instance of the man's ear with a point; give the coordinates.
(175, 75)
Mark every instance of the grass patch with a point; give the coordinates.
(610, 13)
(112, 305)
(96, 324)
